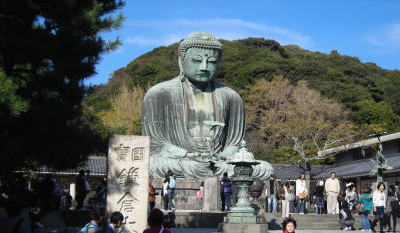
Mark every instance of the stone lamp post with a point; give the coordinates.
(242, 216)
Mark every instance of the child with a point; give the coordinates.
(116, 220)
(156, 219)
(92, 226)
(346, 219)
(289, 225)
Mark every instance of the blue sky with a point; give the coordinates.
(366, 29)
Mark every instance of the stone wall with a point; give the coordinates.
(186, 190)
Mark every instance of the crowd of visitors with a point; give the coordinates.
(334, 196)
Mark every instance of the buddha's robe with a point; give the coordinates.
(173, 116)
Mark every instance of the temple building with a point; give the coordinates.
(354, 162)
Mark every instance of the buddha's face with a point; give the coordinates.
(200, 65)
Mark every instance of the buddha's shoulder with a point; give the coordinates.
(227, 91)
(166, 87)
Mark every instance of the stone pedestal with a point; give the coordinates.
(185, 193)
(242, 228)
(128, 180)
(211, 194)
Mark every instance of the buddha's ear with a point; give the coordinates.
(180, 63)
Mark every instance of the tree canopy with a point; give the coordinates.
(47, 49)
(295, 119)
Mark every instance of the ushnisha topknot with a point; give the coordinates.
(203, 40)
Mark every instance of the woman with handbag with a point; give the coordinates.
(365, 207)
(301, 193)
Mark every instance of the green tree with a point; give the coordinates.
(376, 117)
(47, 49)
(126, 108)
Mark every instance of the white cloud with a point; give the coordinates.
(223, 28)
(387, 38)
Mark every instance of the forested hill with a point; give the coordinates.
(370, 92)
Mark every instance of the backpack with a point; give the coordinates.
(86, 228)
(106, 229)
(171, 183)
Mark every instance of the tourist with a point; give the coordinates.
(93, 225)
(199, 195)
(221, 194)
(227, 189)
(171, 190)
(365, 207)
(87, 184)
(391, 202)
(346, 219)
(342, 194)
(271, 191)
(301, 193)
(164, 192)
(45, 191)
(170, 221)
(283, 194)
(116, 220)
(378, 205)
(319, 197)
(395, 208)
(101, 191)
(152, 196)
(351, 196)
(332, 189)
(289, 225)
(58, 192)
(155, 221)
(292, 196)
(80, 189)
(65, 199)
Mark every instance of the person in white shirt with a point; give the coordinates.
(332, 188)
(301, 193)
(378, 205)
(284, 197)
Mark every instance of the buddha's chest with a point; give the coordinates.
(200, 109)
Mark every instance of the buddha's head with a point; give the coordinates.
(199, 56)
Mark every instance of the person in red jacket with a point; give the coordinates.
(289, 225)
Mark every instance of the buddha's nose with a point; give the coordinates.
(203, 65)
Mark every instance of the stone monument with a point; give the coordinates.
(128, 180)
(195, 124)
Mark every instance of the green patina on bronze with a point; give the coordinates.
(195, 124)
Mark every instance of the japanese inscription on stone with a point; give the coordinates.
(127, 180)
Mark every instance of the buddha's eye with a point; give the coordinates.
(195, 58)
(212, 59)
